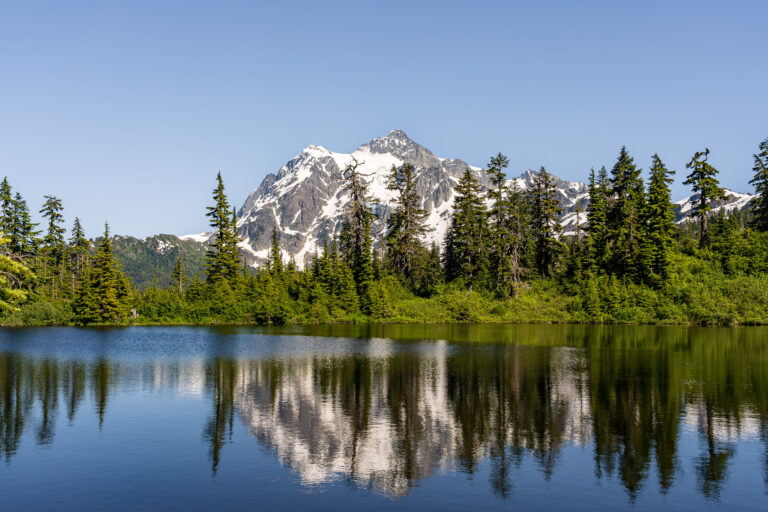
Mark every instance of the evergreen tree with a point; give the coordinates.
(433, 273)
(51, 273)
(597, 228)
(517, 251)
(467, 237)
(703, 179)
(405, 226)
(178, 278)
(356, 244)
(223, 257)
(760, 182)
(501, 237)
(660, 220)
(105, 281)
(723, 239)
(53, 241)
(85, 307)
(546, 228)
(276, 257)
(13, 274)
(23, 234)
(625, 217)
(80, 248)
(6, 207)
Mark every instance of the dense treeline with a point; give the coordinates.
(505, 257)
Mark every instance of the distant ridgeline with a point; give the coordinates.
(391, 233)
(149, 261)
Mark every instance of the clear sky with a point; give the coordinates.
(126, 110)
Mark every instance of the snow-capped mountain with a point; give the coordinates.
(306, 198)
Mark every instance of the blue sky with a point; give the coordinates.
(126, 110)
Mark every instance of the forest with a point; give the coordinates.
(504, 259)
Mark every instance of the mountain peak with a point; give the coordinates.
(398, 135)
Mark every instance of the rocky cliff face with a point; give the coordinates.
(305, 200)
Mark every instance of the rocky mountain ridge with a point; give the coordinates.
(305, 199)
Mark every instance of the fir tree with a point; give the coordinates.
(223, 256)
(500, 236)
(760, 182)
(703, 179)
(276, 257)
(178, 278)
(6, 207)
(53, 241)
(517, 250)
(597, 229)
(356, 244)
(405, 226)
(23, 234)
(85, 307)
(660, 220)
(625, 217)
(80, 248)
(52, 245)
(467, 237)
(105, 281)
(433, 273)
(546, 228)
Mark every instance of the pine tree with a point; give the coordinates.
(222, 260)
(467, 237)
(546, 228)
(703, 178)
(276, 257)
(517, 251)
(597, 229)
(106, 281)
(760, 182)
(625, 217)
(405, 226)
(660, 220)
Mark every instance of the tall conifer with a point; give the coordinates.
(597, 228)
(466, 241)
(546, 228)
(625, 217)
(405, 226)
(760, 182)
(500, 249)
(223, 258)
(660, 220)
(105, 281)
(703, 179)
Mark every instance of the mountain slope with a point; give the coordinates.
(143, 259)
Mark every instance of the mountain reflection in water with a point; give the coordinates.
(385, 414)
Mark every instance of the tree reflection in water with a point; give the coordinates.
(386, 418)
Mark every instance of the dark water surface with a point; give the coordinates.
(385, 417)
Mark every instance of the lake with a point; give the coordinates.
(384, 417)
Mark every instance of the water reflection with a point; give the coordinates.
(388, 414)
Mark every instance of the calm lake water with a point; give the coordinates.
(384, 417)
